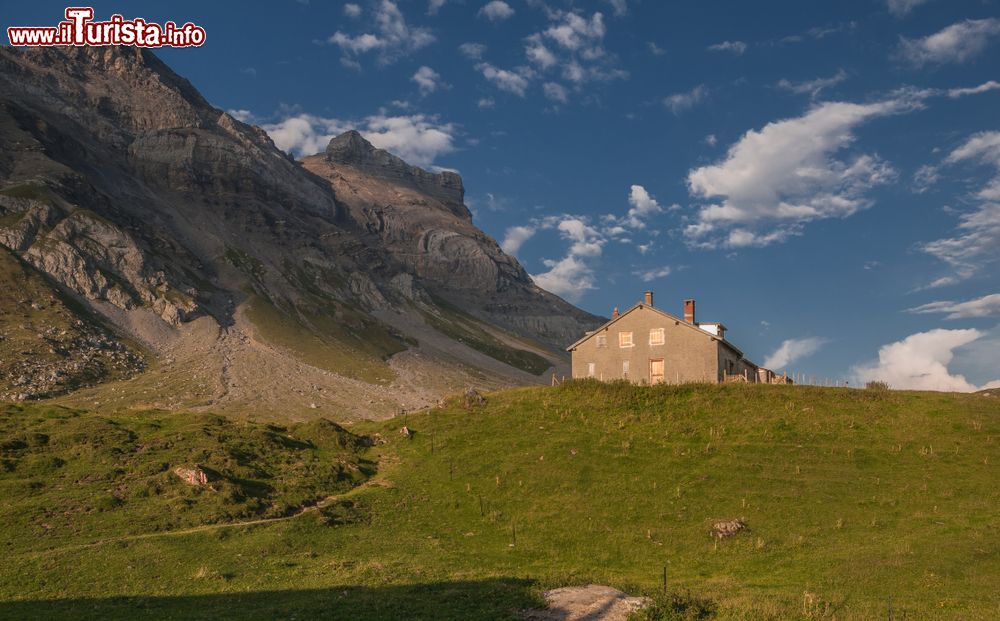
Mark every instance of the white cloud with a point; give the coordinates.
(515, 82)
(392, 38)
(711, 140)
(496, 11)
(241, 115)
(654, 274)
(643, 206)
(655, 49)
(992, 85)
(920, 362)
(573, 275)
(899, 8)
(486, 102)
(813, 87)
(433, 6)
(974, 244)
(978, 233)
(925, 177)
(574, 32)
(773, 181)
(428, 80)
(350, 63)
(515, 238)
(792, 350)
(572, 44)
(537, 52)
(352, 10)
(473, 51)
(556, 92)
(986, 306)
(736, 47)
(957, 43)
(418, 139)
(569, 278)
(619, 7)
(679, 102)
(304, 134)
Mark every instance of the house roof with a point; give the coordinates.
(676, 319)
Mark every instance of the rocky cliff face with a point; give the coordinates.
(420, 220)
(351, 149)
(123, 186)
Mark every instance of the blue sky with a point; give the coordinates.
(824, 178)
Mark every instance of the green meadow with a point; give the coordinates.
(855, 501)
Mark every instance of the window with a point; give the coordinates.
(625, 368)
(602, 340)
(625, 339)
(656, 336)
(591, 369)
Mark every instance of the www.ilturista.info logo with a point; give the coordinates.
(80, 29)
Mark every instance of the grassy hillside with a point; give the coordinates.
(67, 474)
(851, 497)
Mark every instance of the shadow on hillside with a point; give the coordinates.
(498, 598)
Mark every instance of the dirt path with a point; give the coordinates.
(593, 602)
(374, 482)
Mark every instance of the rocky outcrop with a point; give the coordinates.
(95, 259)
(351, 149)
(46, 348)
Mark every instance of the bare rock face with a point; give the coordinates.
(351, 149)
(97, 260)
(418, 219)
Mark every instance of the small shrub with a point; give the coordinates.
(877, 385)
(676, 607)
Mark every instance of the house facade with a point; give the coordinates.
(646, 345)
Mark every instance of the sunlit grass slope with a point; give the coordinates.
(851, 497)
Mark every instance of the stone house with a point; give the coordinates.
(646, 345)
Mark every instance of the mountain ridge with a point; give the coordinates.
(190, 233)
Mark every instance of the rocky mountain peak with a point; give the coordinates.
(352, 149)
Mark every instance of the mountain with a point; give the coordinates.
(220, 273)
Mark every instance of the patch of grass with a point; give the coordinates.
(333, 338)
(461, 327)
(30, 191)
(10, 219)
(251, 266)
(586, 482)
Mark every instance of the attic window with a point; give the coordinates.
(656, 336)
(602, 340)
(625, 339)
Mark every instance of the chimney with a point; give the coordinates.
(615, 314)
(689, 311)
(649, 298)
